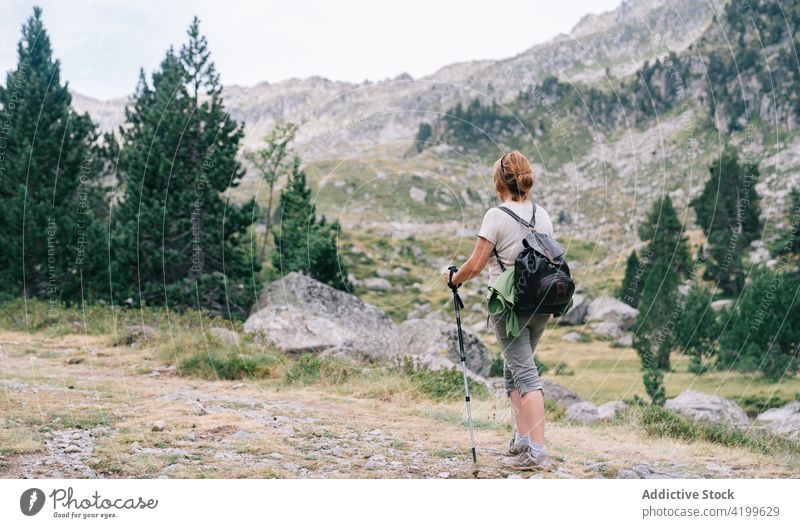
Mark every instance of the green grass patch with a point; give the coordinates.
(660, 422)
(311, 368)
(444, 384)
(230, 365)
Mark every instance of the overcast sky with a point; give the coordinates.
(103, 43)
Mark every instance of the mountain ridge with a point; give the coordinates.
(392, 108)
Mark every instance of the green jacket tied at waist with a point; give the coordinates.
(501, 301)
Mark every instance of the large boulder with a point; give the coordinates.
(559, 394)
(782, 420)
(576, 314)
(583, 412)
(609, 309)
(707, 408)
(609, 410)
(434, 338)
(607, 330)
(299, 314)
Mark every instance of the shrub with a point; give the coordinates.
(311, 368)
(444, 384)
(229, 366)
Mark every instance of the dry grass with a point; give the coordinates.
(377, 423)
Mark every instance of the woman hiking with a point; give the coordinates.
(513, 180)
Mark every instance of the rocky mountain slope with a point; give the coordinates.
(340, 117)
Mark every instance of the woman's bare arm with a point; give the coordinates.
(475, 263)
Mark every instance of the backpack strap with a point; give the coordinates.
(512, 214)
(529, 225)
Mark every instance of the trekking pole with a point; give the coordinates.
(459, 305)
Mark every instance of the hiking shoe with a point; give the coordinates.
(527, 460)
(514, 449)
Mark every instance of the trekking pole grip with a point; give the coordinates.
(453, 270)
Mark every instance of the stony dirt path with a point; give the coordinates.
(77, 407)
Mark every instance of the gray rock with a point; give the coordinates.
(608, 329)
(226, 336)
(583, 412)
(602, 467)
(434, 338)
(377, 283)
(139, 333)
(609, 410)
(571, 337)
(625, 341)
(72, 448)
(627, 474)
(418, 195)
(159, 425)
(783, 420)
(559, 394)
(299, 314)
(344, 353)
(780, 413)
(612, 310)
(707, 408)
(576, 314)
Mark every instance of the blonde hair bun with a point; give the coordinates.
(513, 174)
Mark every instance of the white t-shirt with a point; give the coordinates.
(506, 233)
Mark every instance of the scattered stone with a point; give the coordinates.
(276, 456)
(377, 283)
(571, 337)
(609, 309)
(72, 448)
(707, 408)
(609, 410)
(625, 341)
(375, 462)
(584, 412)
(417, 194)
(443, 475)
(159, 425)
(601, 467)
(133, 335)
(607, 329)
(226, 336)
(627, 474)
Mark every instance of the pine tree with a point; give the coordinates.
(728, 212)
(177, 240)
(303, 242)
(631, 288)
(697, 328)
(791, 239)
(53, 246)
(667, 261)
(763, 331)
